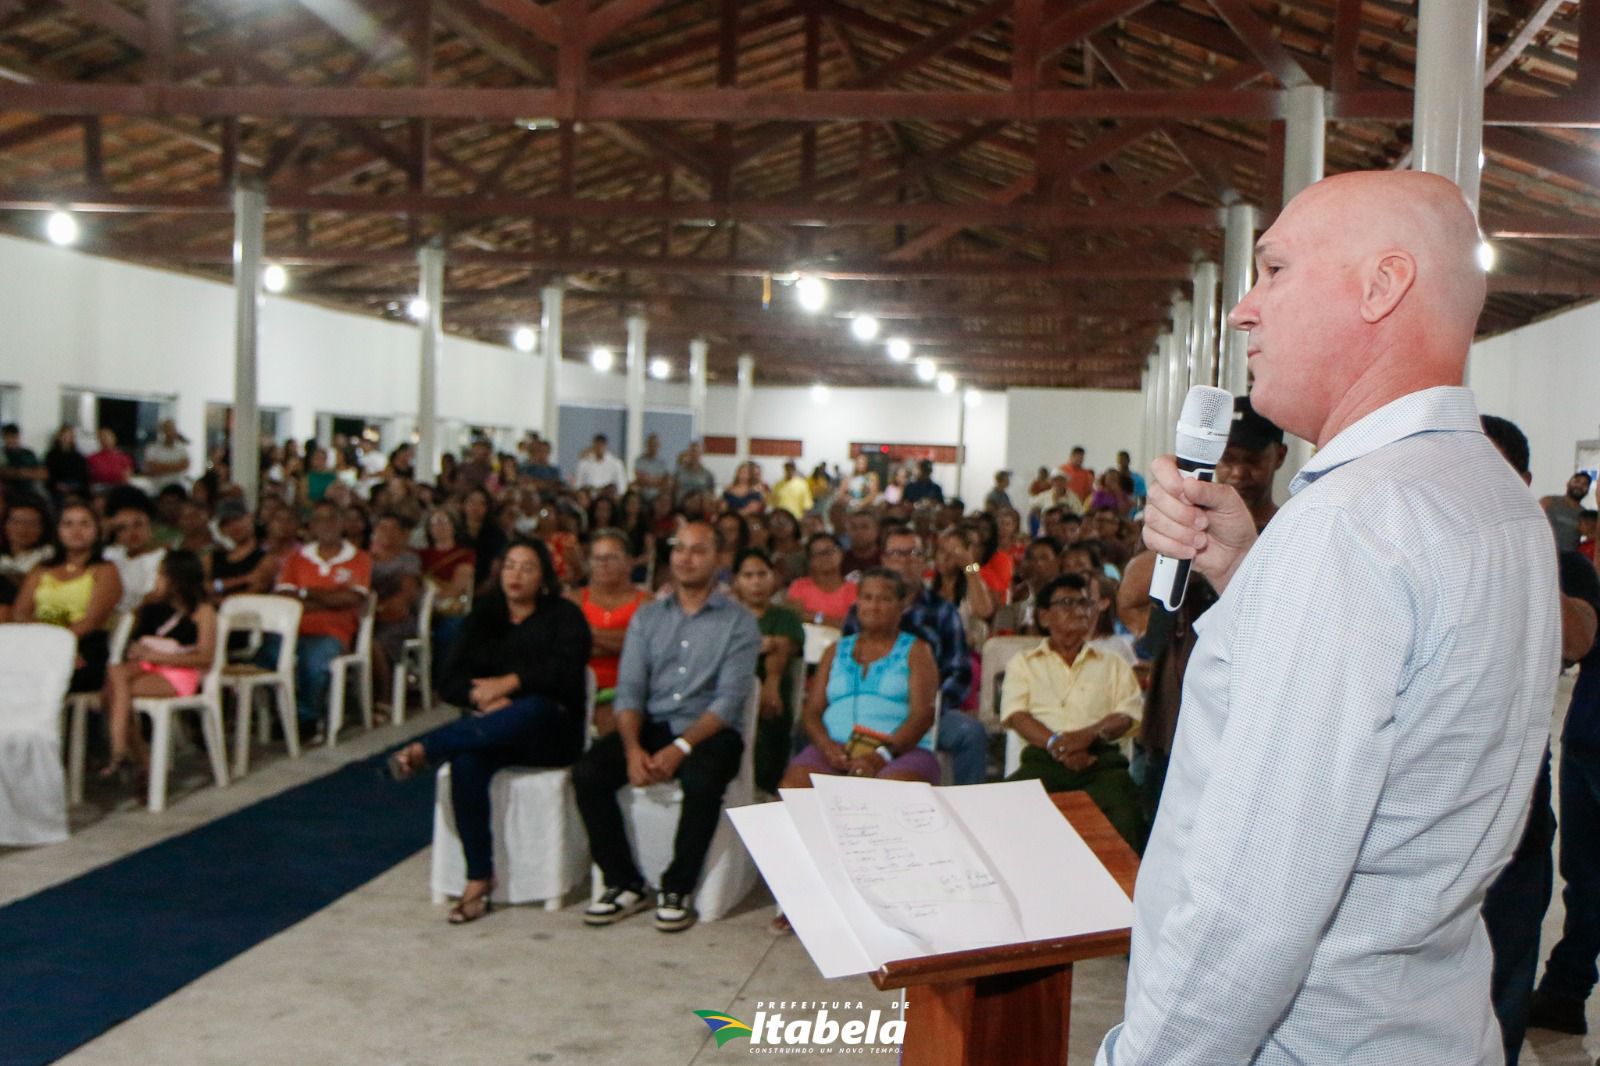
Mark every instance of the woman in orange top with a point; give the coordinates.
(608, 602)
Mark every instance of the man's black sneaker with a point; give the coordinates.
(1560, 1014)
(616, 904)
(675, 911)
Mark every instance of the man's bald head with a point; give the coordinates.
(1369, 289)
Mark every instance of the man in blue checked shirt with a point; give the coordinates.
(1366, 707)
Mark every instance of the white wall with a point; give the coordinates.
(68, 319)
(76, 320)
(1044, 425)
(1546, 378)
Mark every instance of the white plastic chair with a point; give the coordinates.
(207, 703)
(539, 844)
(1014, 746)
(996, 656)
(416, 660)
(279, 615)
(819, 639)
(650, 815)
(359, 660)
(35, 670)
(79, 704)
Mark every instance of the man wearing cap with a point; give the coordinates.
(1249, 464)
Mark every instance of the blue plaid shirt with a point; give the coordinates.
(939, 623)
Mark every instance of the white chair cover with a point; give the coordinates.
(997, 653)
(819, 638)
(651, 817)
(35, 669)
(540, 849)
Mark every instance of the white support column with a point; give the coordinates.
(550, 348)
(742, 404)
(961, 440)
(1147, 439)
(430, 264)
(697, 385)
(1306, 142)
(638, 357)
(1447, 107)
(1238, 275)
(1203, 330)
(1178, 365)
(1160, 423)
(249, 209)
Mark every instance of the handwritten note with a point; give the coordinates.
(915, 865)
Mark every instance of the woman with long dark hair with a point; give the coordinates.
(76, 589)
(171, 647)
(518, 673)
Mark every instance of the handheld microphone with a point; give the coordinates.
(1202, 437)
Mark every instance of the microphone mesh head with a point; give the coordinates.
(1204, 423)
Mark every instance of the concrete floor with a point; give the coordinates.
(380, 977)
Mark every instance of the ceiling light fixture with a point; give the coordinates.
(864, 327)
(899, 349)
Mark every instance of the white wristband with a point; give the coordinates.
(682, 745)
(885, 754)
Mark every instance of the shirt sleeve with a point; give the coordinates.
(361, 572)
(955, 671)
(1016, 687)
(736, 675)
(1126, 695)
(1320, 647)
(633, 670)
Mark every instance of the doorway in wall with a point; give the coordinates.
(274, 423)
(134, 417)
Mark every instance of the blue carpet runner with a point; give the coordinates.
(80, 957)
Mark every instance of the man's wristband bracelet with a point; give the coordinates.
(682, 745)
(885, 754)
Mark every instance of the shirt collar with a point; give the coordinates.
(1044, 650)
(1441, 409)
(346, 552)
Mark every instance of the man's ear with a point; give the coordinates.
(1283, 453)
(1386, 284)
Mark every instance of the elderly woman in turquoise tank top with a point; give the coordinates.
(869, 711)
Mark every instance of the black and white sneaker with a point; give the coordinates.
(675, 911)
(616, 904)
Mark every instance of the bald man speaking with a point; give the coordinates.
(1366, 707)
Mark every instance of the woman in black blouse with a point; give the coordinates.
(518, 670)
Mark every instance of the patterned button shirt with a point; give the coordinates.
(1362, 721)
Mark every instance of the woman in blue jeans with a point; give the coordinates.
(518, 673)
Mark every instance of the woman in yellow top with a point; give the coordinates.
(76, 589)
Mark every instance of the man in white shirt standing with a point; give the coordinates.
(1367, 704)
(165, 459)
(598, 468)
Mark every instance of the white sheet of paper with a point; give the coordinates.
(1060, 888)
(915, 864)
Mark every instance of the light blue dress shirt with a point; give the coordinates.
(677, 666)
(1362, 719)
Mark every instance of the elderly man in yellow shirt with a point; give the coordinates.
(1071, 701)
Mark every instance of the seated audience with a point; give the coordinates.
(938, 623)
(134, 551)
(25, 539)
(864, 552)
(482, 535)
(194, 525)
(957, 581)
(240, 564)
(609, 602)
(787, 549)
(397, 585)
(688, 668)
(995, 567)
(66, 468)
(110, 465)
(870, 708)
(171, 646)
(331, 578)
(1071, 701)
(823, 596)
(77, 589)
(518, 672)
(782, 641)
(19, 465)
(452, 569)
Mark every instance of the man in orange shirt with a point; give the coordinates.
(1080, 479)
(330, 577)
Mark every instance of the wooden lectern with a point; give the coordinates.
(1013, 1003)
